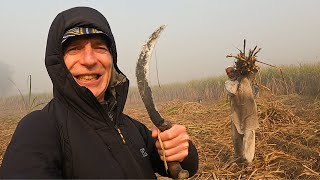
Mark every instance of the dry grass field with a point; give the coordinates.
(287, 142)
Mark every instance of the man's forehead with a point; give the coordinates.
(83, 39)
(80, 34)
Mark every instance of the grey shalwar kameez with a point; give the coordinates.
(244, 118)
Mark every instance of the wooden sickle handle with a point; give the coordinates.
(174, 167)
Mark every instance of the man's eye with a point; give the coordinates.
(72, 50)
(102, 48)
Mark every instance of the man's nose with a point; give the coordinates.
(88, 57)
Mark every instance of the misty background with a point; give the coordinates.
(194, 45)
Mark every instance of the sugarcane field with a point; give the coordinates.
(195, 90)
(287, 140)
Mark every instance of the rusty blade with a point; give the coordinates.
(142, 70)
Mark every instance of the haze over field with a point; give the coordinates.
(194, 45)
(6, 75)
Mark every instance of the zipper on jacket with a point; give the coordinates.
(116, 127)
(120, 133)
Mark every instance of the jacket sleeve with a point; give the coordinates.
(34, 149)
(190, 163)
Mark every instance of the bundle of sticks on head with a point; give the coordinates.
(246, 65)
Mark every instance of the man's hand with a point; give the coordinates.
(175, 141)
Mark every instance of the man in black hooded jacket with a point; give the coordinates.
(82, 132)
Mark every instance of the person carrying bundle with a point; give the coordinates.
(244, 115)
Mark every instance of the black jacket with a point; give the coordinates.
(74, 136)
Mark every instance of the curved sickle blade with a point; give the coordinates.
(142, 70)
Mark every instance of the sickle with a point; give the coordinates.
(142, 69)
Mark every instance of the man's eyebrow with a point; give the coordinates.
(99, 42)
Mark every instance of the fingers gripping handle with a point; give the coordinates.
(174, 167)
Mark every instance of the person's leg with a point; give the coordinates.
(249, 145)
(237, 140)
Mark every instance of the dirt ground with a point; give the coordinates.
(287, 142)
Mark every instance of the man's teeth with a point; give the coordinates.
(88, 77)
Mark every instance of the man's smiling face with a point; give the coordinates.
(89, 61)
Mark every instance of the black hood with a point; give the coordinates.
(65, 87)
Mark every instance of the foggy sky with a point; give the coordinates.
(6, 79)
(194, 45)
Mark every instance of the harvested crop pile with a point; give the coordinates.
(287, 142)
